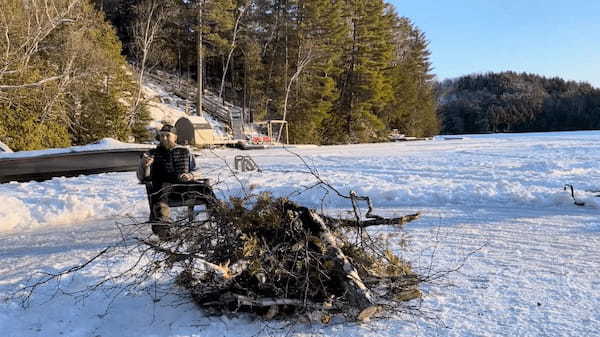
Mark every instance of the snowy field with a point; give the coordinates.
(533, 256)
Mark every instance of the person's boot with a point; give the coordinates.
(162, 230)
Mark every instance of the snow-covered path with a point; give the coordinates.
(533, 259)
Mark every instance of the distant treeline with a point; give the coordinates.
(516, 102)
(349, 70)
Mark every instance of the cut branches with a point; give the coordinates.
(272, 257)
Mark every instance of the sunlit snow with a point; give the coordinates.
(533, 256)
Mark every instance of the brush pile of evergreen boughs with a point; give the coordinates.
(274, 258)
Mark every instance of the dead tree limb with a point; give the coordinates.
(400, 221)
(236, 28)
(358, 293)
(30, 85)
(267, 302)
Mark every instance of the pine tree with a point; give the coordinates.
(364, 88)
(413, 109)
(322, 33)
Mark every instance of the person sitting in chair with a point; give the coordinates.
(161, 167)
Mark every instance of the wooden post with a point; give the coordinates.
(287, 133)
(270, 130)
(200, 56)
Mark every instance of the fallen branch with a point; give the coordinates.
(360, 295)
(403, 220)
(240, 300)
(30, 85)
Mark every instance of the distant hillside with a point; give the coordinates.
(513, 102)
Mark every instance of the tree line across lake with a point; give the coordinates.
(516, 102)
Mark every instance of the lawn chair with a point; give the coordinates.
(189, 194)
(194, 193)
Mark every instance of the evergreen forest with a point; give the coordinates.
(516, 102)
(339, 71)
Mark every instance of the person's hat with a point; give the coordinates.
(168, 128)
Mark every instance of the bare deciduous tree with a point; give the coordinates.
(146, 29)
(18, 45)
(303, 61)
(199, 56)
(236, 28)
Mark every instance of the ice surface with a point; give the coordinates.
(533, 263)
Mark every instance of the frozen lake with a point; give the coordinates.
(533, 256)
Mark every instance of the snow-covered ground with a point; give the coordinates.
(103, 144)
(166, 107)
(533, 256)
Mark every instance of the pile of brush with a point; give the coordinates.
(272, 257)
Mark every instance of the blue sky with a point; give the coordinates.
(550, 37)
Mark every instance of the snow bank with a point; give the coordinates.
(63, 201)
(4, 148)
(162, 112)
(103, 144)
(168, 108)
(14, 214)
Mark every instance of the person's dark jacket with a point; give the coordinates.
(168, 165)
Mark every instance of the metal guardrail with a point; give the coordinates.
(69, 164)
